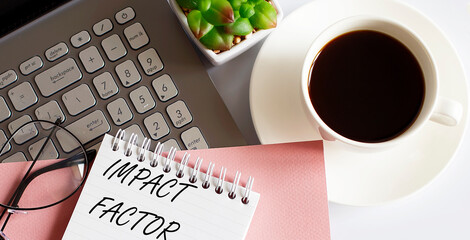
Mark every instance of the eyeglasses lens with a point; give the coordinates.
(58, 172)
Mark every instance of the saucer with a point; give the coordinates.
(355, 178)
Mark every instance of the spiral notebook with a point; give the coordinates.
(134, 193)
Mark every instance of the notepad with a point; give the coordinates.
(134, 193)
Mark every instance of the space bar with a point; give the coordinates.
(85, 129)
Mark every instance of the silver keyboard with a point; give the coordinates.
(112, 75)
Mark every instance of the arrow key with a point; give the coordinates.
(119, 111)
(128, 73)
(165, 88)
(156, 126)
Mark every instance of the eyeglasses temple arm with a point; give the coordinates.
(13, 197)
(3, 236)
(72, 161)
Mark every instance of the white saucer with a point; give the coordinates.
(360, 179)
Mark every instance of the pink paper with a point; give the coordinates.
(49, 223)
(290, 178)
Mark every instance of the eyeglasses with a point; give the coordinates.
(41, 184)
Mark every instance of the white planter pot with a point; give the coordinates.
(237, 49)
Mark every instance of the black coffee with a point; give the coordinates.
(366, 86)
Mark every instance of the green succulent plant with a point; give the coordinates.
(216, 22)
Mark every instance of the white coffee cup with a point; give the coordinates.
(435, 108)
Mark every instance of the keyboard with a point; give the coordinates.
(101, 66)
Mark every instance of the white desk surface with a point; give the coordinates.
(442, 209)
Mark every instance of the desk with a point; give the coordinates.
(439, 211)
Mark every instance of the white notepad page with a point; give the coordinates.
(126, 199)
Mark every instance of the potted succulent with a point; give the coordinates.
(223, 29)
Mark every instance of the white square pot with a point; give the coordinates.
(237, 49)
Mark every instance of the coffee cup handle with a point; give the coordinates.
(447, 112)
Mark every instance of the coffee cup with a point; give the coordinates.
(371, 82)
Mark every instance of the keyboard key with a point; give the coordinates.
(105, 85)
(5, 112)
(193, 139)
(56, 51)
(26, 133)
(179, 114)
(85, 129)
(171, 143)
(150, 61)
(17, 157)
(31, 65)
(142, 99)
(58, 77)
(165, 88)
(113, 47)
(127, 73)
(50, 112)
(102, 27)
(3, 140)
(91, 59)
(119, 111)
(156, 126)
(136, 36)
(8, 78)
(125, 15)
(134, 128)
(22, 96)
(78, 99)
(49, 151)
(80, 39)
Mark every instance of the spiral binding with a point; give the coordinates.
(157, 156)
